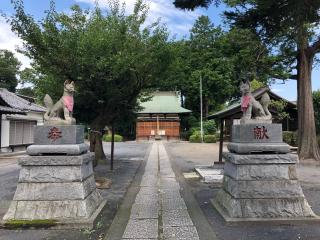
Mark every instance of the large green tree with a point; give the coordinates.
(290, 27)
(219, 58)
(110, 56)
(9, 69)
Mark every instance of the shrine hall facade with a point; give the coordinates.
(160, 117)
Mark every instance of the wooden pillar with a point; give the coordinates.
(221, 140)
(158, 126)
(0, 129)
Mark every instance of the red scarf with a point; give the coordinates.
(68, 102)
(245, 103)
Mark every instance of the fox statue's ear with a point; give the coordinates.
(65, 82)
(72, 83)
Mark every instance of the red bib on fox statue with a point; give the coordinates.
(245, 101)
(68, 102)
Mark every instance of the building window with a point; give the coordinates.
(21, 132)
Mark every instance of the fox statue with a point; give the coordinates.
(253, 109)
(61, 112)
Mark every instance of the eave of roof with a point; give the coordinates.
(9, 110)
(16, 102)
(163, 103)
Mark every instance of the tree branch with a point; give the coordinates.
(291, 77)
(315, 47)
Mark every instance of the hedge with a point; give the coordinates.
(290, 138)
(107, 138)
(196, 138)
(209, 139)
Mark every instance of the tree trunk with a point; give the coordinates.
(96, 145)
(112, 147)
(307, 142)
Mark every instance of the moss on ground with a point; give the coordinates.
(37, 223)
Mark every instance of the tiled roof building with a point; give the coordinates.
(18, 116)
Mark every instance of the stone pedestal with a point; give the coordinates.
(56, 180)
(260, 185)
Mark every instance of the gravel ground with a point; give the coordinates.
(185, 156)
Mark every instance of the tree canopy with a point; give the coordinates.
(9, 69)
(220, 58)
(111, 57)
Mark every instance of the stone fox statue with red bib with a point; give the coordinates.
(61, 112)
(253, 110)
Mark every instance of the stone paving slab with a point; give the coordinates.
(147, 197)
(173, 203)
(149, 182)
(180, 233)
(178, 217)
(170, 195)
(149, 190)
(143, 211)
(141, 229)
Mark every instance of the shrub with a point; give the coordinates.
(107, 138)
(195, 138)
(209, 127)
(290, 138)
(210, 139)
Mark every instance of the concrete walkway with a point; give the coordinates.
(159, 211)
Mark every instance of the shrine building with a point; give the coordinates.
(160, 117)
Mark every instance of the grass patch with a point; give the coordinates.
(37, 223)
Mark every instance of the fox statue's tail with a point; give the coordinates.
(49, 104)
(265, 101)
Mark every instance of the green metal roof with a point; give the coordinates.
(163, 102)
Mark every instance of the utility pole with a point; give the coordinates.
(201, 115)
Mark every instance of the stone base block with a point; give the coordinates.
(64, 134)
(260, 159)
(267, 172)
(54, 160)
(53, 191)
(49, 169)
(244, 148)
(274, 208)
(55, 210)
(257, 133)
(262, 189)
(281, 220)
(67, 149)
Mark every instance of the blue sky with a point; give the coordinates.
(178, 22)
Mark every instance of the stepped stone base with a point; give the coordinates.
(57, 187)
(261, 187)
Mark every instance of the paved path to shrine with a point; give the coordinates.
(159, 211)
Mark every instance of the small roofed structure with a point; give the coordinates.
(18, 116)
(231, 115)
(160, 117)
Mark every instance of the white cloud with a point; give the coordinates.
(10, 41)
(179, 22)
